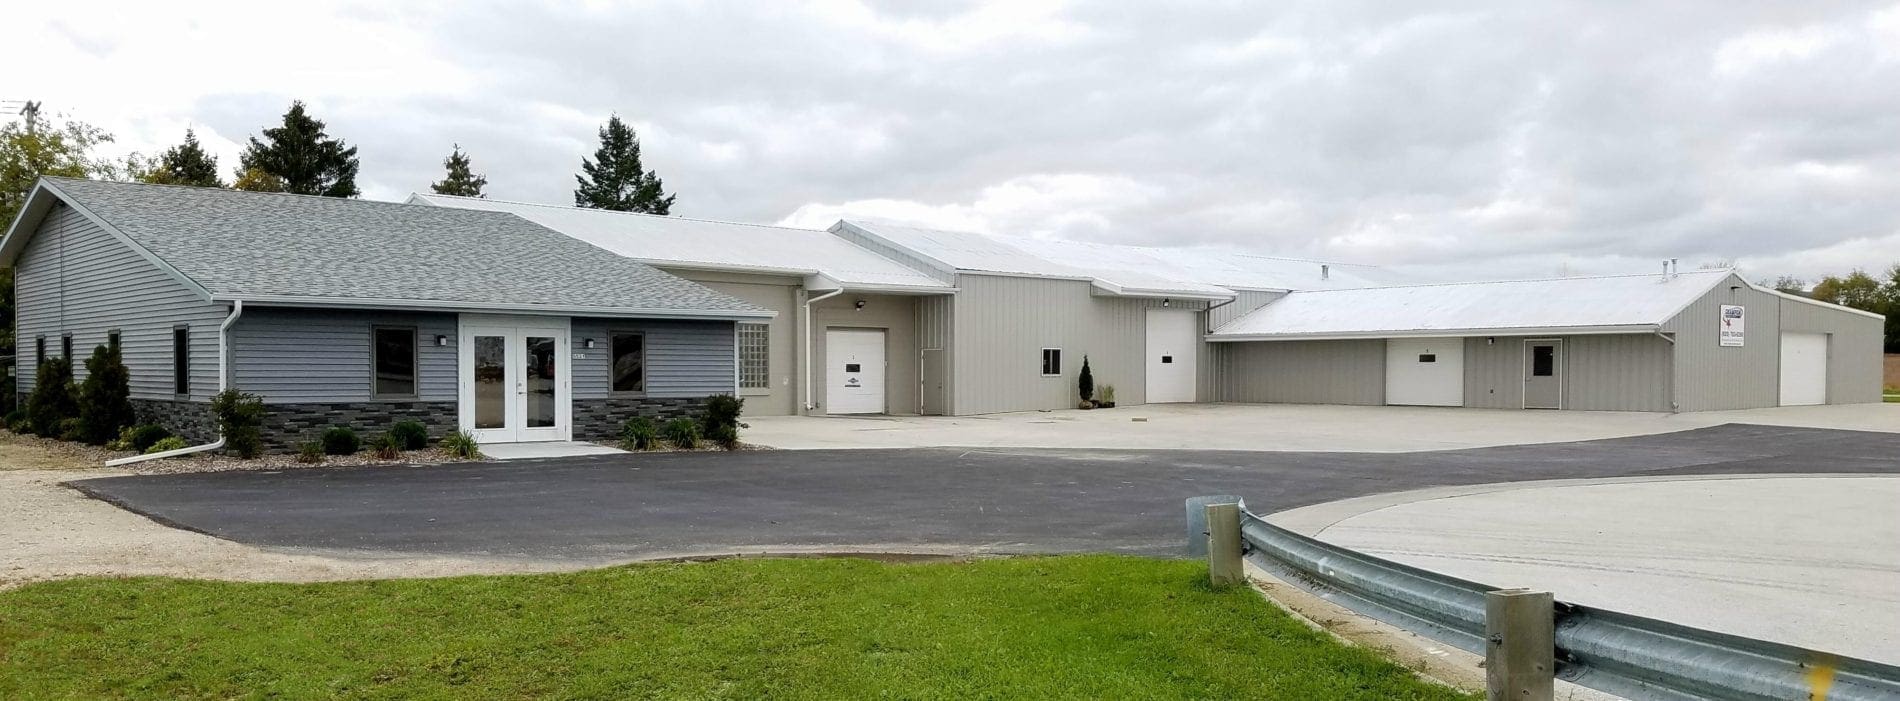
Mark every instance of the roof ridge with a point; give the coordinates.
(242, 193)
(1556, 278)
(613, 211)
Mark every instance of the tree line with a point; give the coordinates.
(1857, 289)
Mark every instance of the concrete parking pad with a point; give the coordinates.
(1812, 561)
(1280, 427)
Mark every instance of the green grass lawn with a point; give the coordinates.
(1064, 627)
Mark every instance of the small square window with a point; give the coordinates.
(851, 367)
(1167, 359)
(1051, 362)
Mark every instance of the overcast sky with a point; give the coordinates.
(1494, 139)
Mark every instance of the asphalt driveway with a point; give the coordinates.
(989, 500)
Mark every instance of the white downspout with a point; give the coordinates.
(224, 380)
(810, 392)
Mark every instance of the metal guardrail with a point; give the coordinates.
(1630, 656)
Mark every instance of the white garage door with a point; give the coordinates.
(854, 371)
(1425, 371)
(1803, 369)
(1173, 337)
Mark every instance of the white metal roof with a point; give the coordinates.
(1119, 269)
(1577, 305)
(715, 245)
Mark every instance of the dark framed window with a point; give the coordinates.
(66, 347)
(628, 355)
(112, 340)
(393, 361)
(1543, 361)
(1051, 361)
(755, 356)
(39, 351)
(181, 360)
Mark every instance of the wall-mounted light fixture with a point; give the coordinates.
(859, 306)
(1490, 340)
(1167, 302)
(441, 340)
(587, 343)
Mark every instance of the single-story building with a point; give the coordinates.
(359, 313)
(1692, 341)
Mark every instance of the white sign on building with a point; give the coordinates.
(1732, 325)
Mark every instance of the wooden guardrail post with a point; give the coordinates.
(1520, 645)
(1223, 544)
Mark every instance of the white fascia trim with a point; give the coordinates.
(1218, 337)
(478, 307)
(710, 267)
(1111, 290)
(1809, 300)
(914, 290)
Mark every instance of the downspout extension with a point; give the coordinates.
(1674, 406)
(809, 394)
(224, 381)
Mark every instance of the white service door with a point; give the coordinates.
(1425, 372)
(1803, 369)
(854, 371)
(1173, 337)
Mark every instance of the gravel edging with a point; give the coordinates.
(97, 456)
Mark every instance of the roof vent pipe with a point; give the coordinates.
(1325, 272)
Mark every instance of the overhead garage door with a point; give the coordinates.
(1173, 336)
(1425, 371)
(854, 371)
(1803, 369)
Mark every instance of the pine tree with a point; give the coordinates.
(1085, 383)
(184, 164)
(461, 181)
(105, 403)
(301, 159)
(615, 180)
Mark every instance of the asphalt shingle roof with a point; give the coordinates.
(249, 244)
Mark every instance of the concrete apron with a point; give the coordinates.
(545, 449)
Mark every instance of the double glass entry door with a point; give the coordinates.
(515, 383)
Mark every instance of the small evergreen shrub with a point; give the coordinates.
(310, 452)
(638, 433)
(725, 436)
(22, 425)
(105, 397)
(386, 446)
(341, 440)
(682, 432)
(72, 429)
(52, 399)
(240, 420)
(170, 443)
(410, 434)
(720, 420)
(143, 437)
(1085, 382)
(461, 444)
(17, 417)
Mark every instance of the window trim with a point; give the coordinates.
(1045, 362)
(765, 357)
(181, 362)
(415, 359)
(644, 365)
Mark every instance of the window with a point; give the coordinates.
(112, 340)
(755, 363)
(394, 361)
(1428, 357)
(1543, 361)
(629, 370)
(66, 347)
(39, 351)
(181, 360)
(1051, 361)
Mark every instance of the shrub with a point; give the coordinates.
(340, 440)
(720, 421)
(22, 425)
(461, 444)
(310, 452)
(410, 434)
(72, 429)
(682, 432)
(240, 419)
(386, 446)
(105, 397)
(139, 438)
(170, 443)
(638, 433)
(52, 400)
(17, 417)
(1085, 382)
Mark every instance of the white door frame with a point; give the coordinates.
(516, 330)
(1558, 361)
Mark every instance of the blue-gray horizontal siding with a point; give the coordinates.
(292, 356)
(75, 277)
(684, 358)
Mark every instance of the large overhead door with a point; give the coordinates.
(854, 371)
(1173, 336)
(1803, 369)
(1425, 371)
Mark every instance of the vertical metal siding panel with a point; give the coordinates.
(1710, 377)
(1246, 302)
(1494, 372)
(75, 277)
(1307, 372)
(317, 355)
(1853, 351)
(1625, 372)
